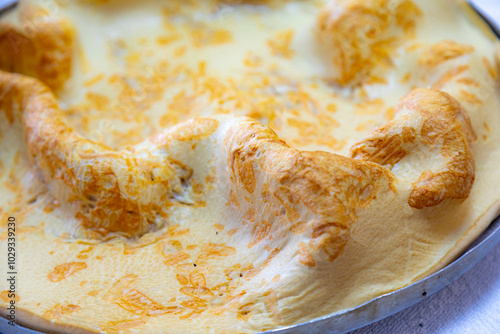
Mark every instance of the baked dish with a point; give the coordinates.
(238, 166)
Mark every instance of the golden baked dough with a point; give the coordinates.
(296, 158)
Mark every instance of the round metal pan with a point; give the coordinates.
(385, 305)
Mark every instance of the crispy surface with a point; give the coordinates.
(241, 209)
(361, 35)
(42, 47)
(428, 120)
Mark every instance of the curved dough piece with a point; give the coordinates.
(434, 122)
(109, 191)
(126, 192)
(318, 192)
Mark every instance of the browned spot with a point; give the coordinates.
(244, 311)
(12, 182)
(298, 228)
(243, 170)
(281, 45)
(7, 296)
(292, 215)
(276, 278)
(175, 258)
(406, 13)
(127, 250)
(384, 149)
(8, 110)
(210, 251)
(232, 232)
(121, 325)
(51, 206)
(330, 237)
(182, 279)
(197, 279)
(59, 311)
(491, 68)
(174, 231)
(124, 294)
(305, 256)
(233, 200)
(65, 270)
(486, 127)
(260, 232)
(176, 244)
(406, 78)
(470, 98)
(196, 306)
(196, 291)
(195, 129)
(249, 216)
(469, 82)
(390, 113)
(449, 75)
(83, 254)
(443, 51)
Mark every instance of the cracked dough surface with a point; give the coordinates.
(237, 166)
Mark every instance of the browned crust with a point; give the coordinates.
(442, 125)
(359, 35)
(443, 51)
(106, 187)
(42, 47)
(321, 191)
